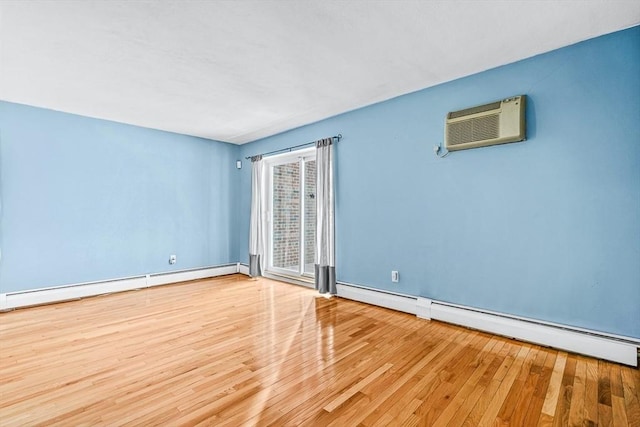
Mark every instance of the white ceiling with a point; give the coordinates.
(238, 71)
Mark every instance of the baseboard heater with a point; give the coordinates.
(40, 296)
(591, 343)
(615, 348)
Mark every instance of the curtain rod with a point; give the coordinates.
(338, 137)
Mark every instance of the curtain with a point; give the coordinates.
(256, 228)
(325, 269)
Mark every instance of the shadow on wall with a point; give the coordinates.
(531, 118)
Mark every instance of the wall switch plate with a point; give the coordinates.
(395, 276)
(172, 259)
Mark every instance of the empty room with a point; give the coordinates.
(319, 213)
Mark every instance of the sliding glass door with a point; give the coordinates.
(292, 214)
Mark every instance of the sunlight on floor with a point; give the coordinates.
(308, 314)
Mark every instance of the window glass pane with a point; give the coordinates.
(309, 216)
(286, 217)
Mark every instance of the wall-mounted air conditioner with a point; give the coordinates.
(495, 123)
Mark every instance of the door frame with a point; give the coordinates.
(300, 156)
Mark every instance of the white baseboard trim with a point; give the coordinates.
(243, 269)
(77, 291)
(615, 348)
(183, 276)
(590, 344)
(32, 297)
(398, 302)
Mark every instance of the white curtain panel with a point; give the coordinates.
(256, 228)
(325, 270)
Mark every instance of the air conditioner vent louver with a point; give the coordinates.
(487, 127)
(494, 123)
(475, 110)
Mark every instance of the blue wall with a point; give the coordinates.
(86, 199)
(548, 228)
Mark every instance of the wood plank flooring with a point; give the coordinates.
(232, 351)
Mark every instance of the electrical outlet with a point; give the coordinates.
(172, 259)
(395, 276)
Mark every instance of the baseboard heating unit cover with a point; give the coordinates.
(82, 290)
(590, 343)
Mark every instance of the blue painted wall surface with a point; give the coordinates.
(548, 228)
(86, 199)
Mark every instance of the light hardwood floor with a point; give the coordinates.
(232, 351)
